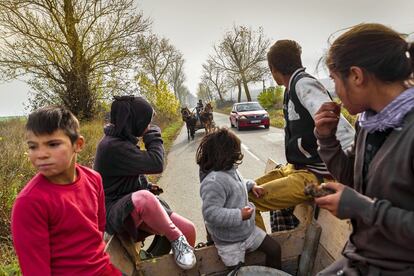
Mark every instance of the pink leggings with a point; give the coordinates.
(150, 216)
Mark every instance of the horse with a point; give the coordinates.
(206, 117)
(190, 120)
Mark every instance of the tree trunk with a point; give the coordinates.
(246, 88)
(209, 95)
(78, 94)
(220, 95)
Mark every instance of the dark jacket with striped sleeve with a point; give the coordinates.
(303, 97)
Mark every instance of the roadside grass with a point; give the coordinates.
(9, 265)
(225, 110)
(276, 117)
(170, 132)
(16, 171)
(8, 118)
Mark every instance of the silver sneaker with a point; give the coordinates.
(183, 253)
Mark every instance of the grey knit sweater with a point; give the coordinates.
(224, 193)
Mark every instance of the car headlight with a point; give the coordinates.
(242, 117)
(266, 116)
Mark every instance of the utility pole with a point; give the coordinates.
(239, 86)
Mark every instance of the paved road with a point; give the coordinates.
(180, 179)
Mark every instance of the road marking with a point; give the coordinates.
(247, 149)
(275, 138)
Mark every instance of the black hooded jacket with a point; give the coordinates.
(122, 164)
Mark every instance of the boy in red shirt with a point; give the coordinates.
(58, 218)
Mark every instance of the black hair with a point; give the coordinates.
(285, 56)
(48, 119)
(375, 48)
(219, 150)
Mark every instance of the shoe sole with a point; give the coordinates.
(186, 267)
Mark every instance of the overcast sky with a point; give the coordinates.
(194, 26)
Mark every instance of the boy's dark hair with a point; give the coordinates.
(47, 120)
(376, 48)
(284, 56)
(219, 150)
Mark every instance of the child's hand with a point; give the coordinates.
(246, 212)
(156, 190)
(258, 191)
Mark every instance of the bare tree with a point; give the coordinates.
(204, 92)
(214, 77)
(233, 81)
(187, 98)
(70, 51)
(182, 93)
(176, 76)
(157, 55)
(242, 51)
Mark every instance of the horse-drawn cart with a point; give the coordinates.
(203, 120)
(307, 249)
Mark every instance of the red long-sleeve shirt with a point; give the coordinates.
(58, 229)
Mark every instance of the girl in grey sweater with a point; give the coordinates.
(228, 215)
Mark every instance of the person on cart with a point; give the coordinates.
(199, 108)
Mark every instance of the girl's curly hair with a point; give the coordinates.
(219, 150)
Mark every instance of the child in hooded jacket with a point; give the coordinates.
(131, 206)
